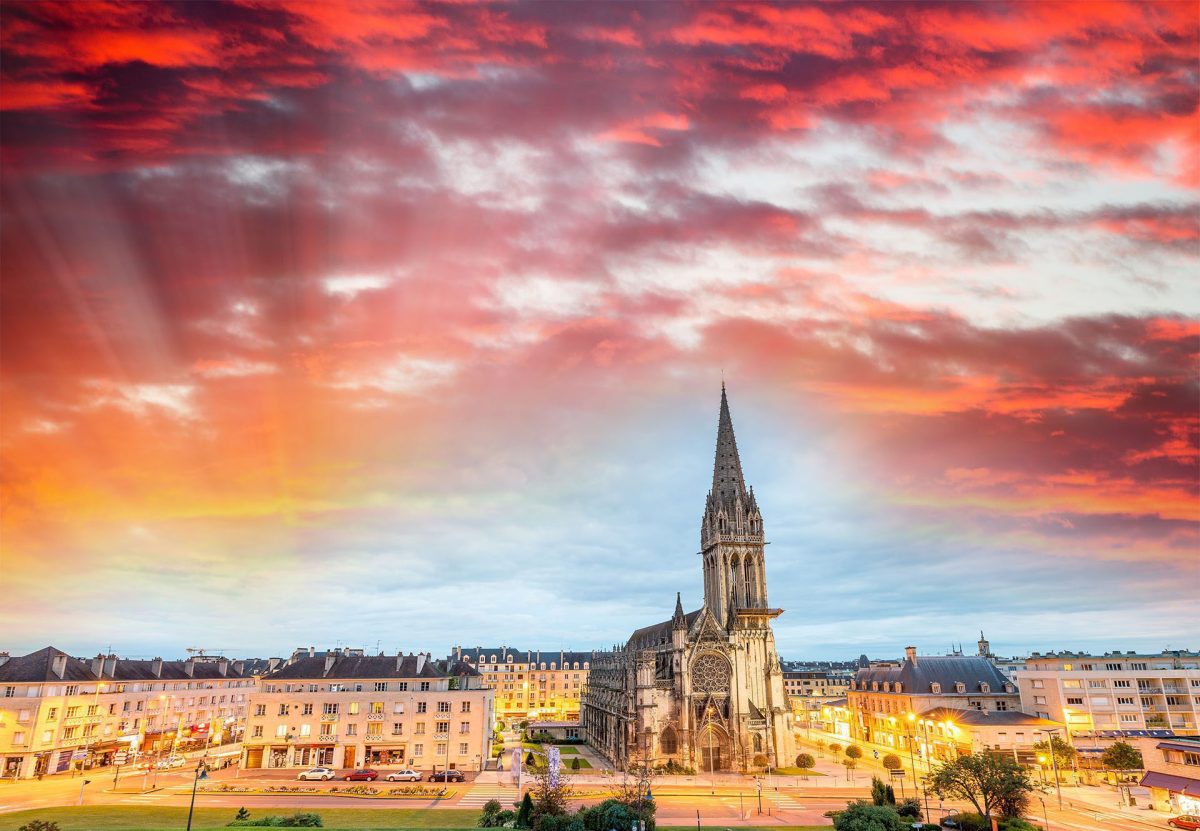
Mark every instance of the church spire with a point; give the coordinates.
(678, 621)
(728, 482)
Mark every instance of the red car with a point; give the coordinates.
(362, 775)
(1189, 822)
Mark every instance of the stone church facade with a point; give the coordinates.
(703, 689)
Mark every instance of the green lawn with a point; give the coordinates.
(138, 818)
(123, 818)
(567, 751)
(795, 771)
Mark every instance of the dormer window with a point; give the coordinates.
(886, 686)
(935, 688)
(874, 686)
(896, 687)
(960, 687)
(1009, 688)
(985, 687)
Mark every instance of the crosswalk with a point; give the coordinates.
(481, 793)
(144, 798)
(785, 803)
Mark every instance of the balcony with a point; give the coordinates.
(375, 716)
(1150, 690)
(328, 718)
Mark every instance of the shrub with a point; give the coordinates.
(973, 822)
(525, 812)
(910, 808)
(881, 792)
(863, 816)
(575, 763)
(805, 760)
(760, 760)
(39, 825)
(491, 809)
(300, 820)
(242, 813)
(892, 762)
(854, 752)
(1017, 824)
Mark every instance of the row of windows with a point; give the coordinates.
(331, 708)
(553, 664)
(33, 691)
(356, 686)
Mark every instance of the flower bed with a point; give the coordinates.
(360, 791)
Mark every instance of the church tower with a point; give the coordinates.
(731, 533)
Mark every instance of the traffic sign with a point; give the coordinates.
(120, 757)
(896, 774)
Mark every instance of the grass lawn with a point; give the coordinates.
(146, 818)
(795, 771)
(564, 750)
(139, 818)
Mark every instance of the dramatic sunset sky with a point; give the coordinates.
(404, 326)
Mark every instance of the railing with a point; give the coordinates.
(328, 717)
(375, 716)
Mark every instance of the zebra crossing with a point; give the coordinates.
(482, 792)
(785, 803)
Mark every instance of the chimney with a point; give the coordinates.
(98, 665)
(223, 666)
(399, 661)
(239, 667)
(329, 659)
(189, 667)
(110, 666)
(910, 653)
(312, 652)
(421, 664)
(156, 667)
(272, 663)
(4, 658)
(58, 665)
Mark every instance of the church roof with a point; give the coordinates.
(658, 633)
(728, 482)
(946, 671)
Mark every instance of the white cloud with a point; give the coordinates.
(349, 286)
(236, 368)
(547, 296)
(402, 376)
(142, 399)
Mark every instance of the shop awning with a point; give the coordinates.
(1175, 784)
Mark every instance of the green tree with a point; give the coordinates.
(879, 792)
(491, 809)
(760, 760)
(1064, 752)
(525, 812)
(849, 765)
(854, 752)
(575, 763)
(863, 816)
(990, 783)
(892, 762)
(910, 807)
(1122, 756)
(805, 760)
(835, 749)
(242, 814)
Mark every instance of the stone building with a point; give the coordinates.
(531, 684)
(703, 689)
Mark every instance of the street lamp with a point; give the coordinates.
(1054, 762)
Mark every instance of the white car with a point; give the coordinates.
(173, 762)
(323, 774)
(404, 776)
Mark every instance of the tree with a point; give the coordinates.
(242, 814)
(1064, 752)
(550, 795)
(854, 752)
(821, 747)
(892, 762)
(835, 749)
(863, 816)
(990, 783)
(1122, 756)
(575, 763)
(805, 760)
(849, 764)
(760, 760)
(881, 792)
(525, 812)
(910, 807)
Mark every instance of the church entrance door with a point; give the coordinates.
(711, 757)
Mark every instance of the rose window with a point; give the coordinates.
(710, 673)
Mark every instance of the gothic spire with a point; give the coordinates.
(678, 621)
(728, 482)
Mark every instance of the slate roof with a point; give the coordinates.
(994, 718)
(37, 667)
(370, 666)
(946, 670)
(483, 655)
(657, 633)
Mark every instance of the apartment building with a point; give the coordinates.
(531, 685)
(939, 706)
(58, 712)
(345, 709)
(1118, 694)
(816, 684)
(1172, 773)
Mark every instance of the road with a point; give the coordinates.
(723, 800)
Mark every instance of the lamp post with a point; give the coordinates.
(1045, 816)
(1054, 763)
(201, 773)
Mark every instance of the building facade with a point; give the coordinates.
(940, 706)
(58, 712)
(705, 689)
(384, 711)
(1172, 773)
(531, 685)
(1102, 697)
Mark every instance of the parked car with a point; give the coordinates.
(404, 776)
(1187, 821)
(362, 775)
(172, 762)
(322, 774)
(446, 776)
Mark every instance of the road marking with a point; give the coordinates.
(481, 794)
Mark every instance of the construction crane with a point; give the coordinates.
(199, 651)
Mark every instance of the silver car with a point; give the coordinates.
(404, 776)
(322, 774)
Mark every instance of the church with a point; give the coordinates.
(702, 690)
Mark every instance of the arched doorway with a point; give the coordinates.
(713, 750)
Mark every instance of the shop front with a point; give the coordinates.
(387, 756)
(312, 755)
(1174, 794)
